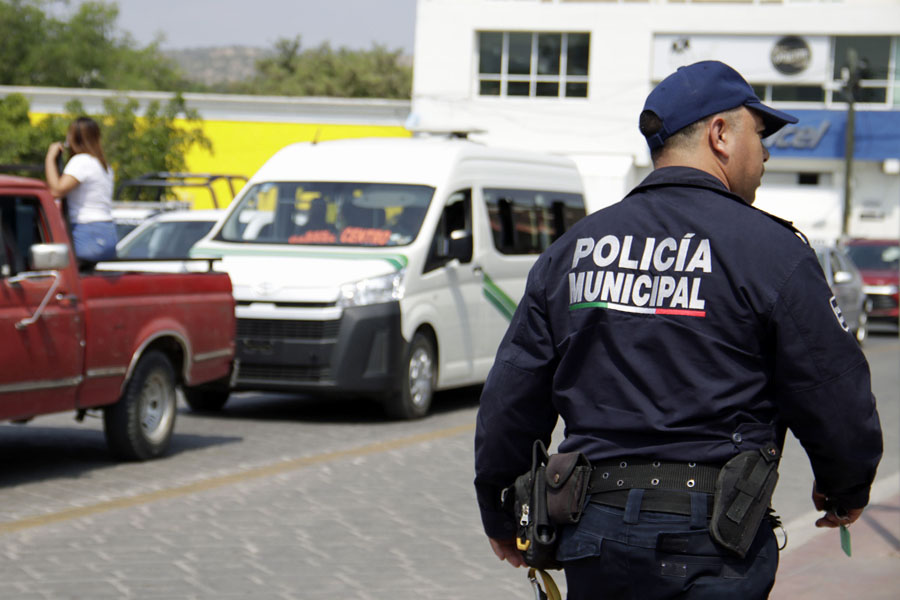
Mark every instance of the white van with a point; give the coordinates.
(385, 267)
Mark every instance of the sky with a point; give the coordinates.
(355, 24)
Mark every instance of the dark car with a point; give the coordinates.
(879, 263)
(846, 284)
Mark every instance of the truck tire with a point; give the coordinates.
(417, 381)
(139, 426)
(208, 398)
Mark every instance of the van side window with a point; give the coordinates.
(20, 227)
(453, 236)
(528, 221)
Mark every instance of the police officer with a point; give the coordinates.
(676, 329)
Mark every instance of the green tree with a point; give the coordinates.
(322, 71)
(81, 51)
(16, 131)
(153, 143)
(25, 145)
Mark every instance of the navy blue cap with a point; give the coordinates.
(702, 89)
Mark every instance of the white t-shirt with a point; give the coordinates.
(91, 200)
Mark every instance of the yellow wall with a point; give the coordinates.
(240, 148)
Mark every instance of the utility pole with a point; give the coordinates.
(851, 87)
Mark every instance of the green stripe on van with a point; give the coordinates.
(398, 261)
(503, 303)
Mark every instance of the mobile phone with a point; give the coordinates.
(60, 161)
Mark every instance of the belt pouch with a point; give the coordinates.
(536, 536)
(743, 492)
(568, 478)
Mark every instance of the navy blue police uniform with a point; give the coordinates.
(680, 324)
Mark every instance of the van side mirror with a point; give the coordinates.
(49, 257)
(459, 246)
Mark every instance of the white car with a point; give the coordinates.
(167, 235)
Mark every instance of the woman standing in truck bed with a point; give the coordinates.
(87, 183)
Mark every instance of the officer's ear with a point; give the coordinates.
(720, 135)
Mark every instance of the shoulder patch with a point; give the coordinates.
(838, 314)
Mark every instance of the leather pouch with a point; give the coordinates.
(743, 494)
(568, 476)
(551, 493)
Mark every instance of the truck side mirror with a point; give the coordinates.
(49, 257)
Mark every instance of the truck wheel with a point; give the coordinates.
(139, 426)
(206, 398)
(417, 381)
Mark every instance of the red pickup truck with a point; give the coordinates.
(120, 341)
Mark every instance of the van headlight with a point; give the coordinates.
(375, 290)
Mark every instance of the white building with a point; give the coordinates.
(571, 77)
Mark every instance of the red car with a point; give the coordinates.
(879, 263)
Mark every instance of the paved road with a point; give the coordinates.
(284, 498)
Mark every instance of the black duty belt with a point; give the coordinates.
(665, 501)
(624, 474)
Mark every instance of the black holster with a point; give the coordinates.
(551, 493)
(743, 493)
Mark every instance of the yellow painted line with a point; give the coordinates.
(225, 480)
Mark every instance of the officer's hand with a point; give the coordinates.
(831, 519)
(506, 550)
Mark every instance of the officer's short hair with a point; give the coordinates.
(650, 124)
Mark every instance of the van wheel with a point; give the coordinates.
(139, 426)
(417, 382)
(207, 398)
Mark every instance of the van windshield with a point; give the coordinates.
(328, 214)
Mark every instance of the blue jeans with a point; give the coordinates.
(628, 554)
(94, 241)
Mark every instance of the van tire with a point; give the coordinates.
(417, 381)
(207, 398)
(139, 426)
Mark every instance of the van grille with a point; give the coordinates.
(283, 373)
(279, 329)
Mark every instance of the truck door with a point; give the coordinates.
(40, 359)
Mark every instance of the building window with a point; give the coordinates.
(531, 64)
(872, 55)
(798, 93)
(808, 178)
